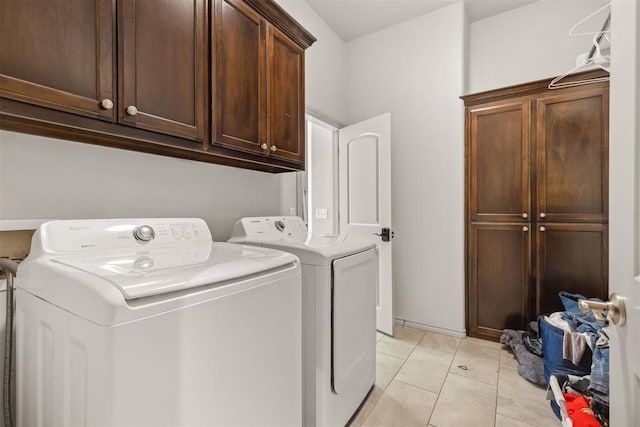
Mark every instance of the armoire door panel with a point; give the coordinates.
(59, 54)
(499, 285)
(499, 162)
(572, 154)
(573, 258)
(239, 55)
(163, 62)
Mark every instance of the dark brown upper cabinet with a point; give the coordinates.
(64, 59)
(219, 81)
(162, 61)
(258, 80)
(59, 54)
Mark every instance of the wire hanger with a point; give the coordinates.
(583, 20)
(595, 57)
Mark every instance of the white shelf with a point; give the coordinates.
(20, 224)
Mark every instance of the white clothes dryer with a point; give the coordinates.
(148, 322)
(339, 281)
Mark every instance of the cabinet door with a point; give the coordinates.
(286, 97)
(498, 162)
(573, 258)
(498, 294)
(573, 156)
(239, 77)
(163, 66)
(59, 54)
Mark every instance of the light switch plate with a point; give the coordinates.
(321, 213)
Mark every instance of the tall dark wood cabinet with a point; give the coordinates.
(536, 201)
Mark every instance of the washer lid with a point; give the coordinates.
(138, 274)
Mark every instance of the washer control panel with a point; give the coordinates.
(83, 235)
(144, 233)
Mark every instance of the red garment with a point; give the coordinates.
(580, 412)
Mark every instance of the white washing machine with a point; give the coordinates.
(339, 280)
(148, 322)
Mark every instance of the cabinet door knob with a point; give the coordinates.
(525, 228)
(524, 215)
(264, 146)
(131, 110)
(542, 229)
(107, 104)
(542, 215)
(274, 148)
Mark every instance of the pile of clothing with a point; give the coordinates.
(567, 343)
(527, 347)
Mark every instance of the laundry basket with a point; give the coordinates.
(554, 363)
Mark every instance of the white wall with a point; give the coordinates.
(415, 71)
(322, 178)
(326, 62)
(529, 43)
(49, 178)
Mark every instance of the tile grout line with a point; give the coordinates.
(394, 375)
(444, 382)
(495, 413)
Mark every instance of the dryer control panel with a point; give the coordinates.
(270, 228)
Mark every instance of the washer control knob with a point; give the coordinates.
(144, 233)
(279, 225)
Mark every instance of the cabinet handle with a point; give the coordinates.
(107, 104)
(542, 228)
(264, 146)
(274, 148)
(542, 215)
(131, 110)
(525, 228)
(524, 215)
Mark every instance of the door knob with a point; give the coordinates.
(542, 229)
(274, 148)
(542, 215)
(525, 228)
(614, 309)
(524, 215)
(386, 234)
(132, 110)
(264, 146)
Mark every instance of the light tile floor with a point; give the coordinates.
(420, 382)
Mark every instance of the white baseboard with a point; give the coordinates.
(431, 328)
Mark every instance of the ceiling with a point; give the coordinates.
(351, 19)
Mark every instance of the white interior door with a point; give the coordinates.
(364, 159)
(624, 199)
